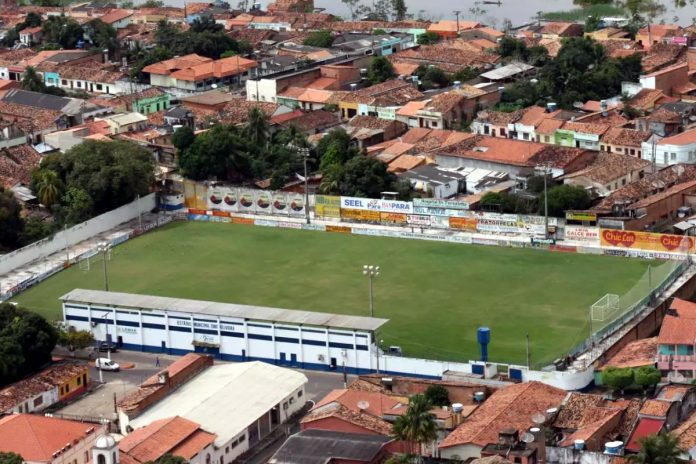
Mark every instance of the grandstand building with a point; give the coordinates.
(232, 332)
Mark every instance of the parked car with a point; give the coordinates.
(106, 364)
(106, 346)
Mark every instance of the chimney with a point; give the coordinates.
(508, 437)
(539, 443)
(604, 107)
(105, 55)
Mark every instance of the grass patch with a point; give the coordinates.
(580, 14)
(435, 294)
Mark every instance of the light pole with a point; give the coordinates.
(371, 272)
(304, 152)
(104, 248)
(545, 170)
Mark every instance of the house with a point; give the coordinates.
(41, 439)
(510, 407)
(117, 18)
(675, 353)
(58, 382)
(65, 139)
(30, 35)
(668, 80)
(239, 404)
(125, 122)
(174, 435)
(324, 446)
(34, 122)
(371, 100)
(369, 130)
(623, 141)
(449, 110)
(191, 73)
(72, 110)
(148, 101)
(608, 172)
(675, 149)
(509, 73)
(448, 29)
(581, 134)
(668, 118)
(11, 135)
(435, 182)
(212, 100)
(653, 34)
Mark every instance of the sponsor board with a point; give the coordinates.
(297, 204)
(439, 222)
(393, 206)
(327, 206)
(199, 212)
(280, 203)
(484, 241)
(580, 216)
(564, 248)
(439, 203)
(646, 241)
(393, 218)
(290, 225)
(463, 223)
(198, 217)
(610, 224)
(242, 220)
(265, 223)
(339, 229)
(221, 213)
(316, 227)
(418, 219)
(360, 214)
(356, 203)
(582, 234)
(263, 202)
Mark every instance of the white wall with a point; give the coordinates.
(462, 452)
(76, 234)
(663, 153)
(261, 90)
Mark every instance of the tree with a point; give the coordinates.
(169, 459)
(663, 448)
(417, 424)
(466, 74)
(592, 23)
(206, 23)
(152, 4)
(33, 230)
(438, 395)
(380, 70)
(428, 38)
(31, 80)
(647, 376)
(364, 176)
(26, 342)
(565, 197)
(11, 458)
(322, 38)
(499, 202)
(617, 378)
(48, 186)
(11, 224)
(257, 127)
(62, 30)
(435, 77)
(103, 35)
(77, 206)
(220, 152)
(183, 138)
(74, 340)
(399, 9)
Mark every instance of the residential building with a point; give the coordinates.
(125, 122)
(16, 165)
(11, 135)
(624, 141)
(65, 139)
(607, 173)
(117, 18)
(324, 446)
(509, 73)
(434, 181)
(191, 73)
(239, 404)
(58, 382)
(653, 34)
(71, 110)
(148, 101)
(30, 35)
(371, 100)
(510, 407)
(212, 100)
(450, 110)
(675, 353)
(675, 149)
(667, 79)
(41, 439)
(447, 29)
(370, 130)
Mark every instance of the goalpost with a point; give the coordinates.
(94, 257)
(605, 308)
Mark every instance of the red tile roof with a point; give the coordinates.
(658, 408)
(378, 403)
(679, 329)
(167, 67)
(114, 16)
(509, 407)
(645, 428)
(685, 138)
(223, 67)
(637, 353)
(37, 438)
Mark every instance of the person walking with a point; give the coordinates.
(157, 361)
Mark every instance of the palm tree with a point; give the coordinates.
(659, 449)
(417, 424)
(49, 188)
(257, 127)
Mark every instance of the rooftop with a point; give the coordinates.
(167, 67)
(657, 408)
(223, 67)
(323, 446)
(507, 71)
(338, 411)
(509, 407)
(625, 137)
(36, 99)
(687, 137)
(17, 164)
(608, 167)
(679, 328)
(645, 428)
(635, 354)
(227, 398)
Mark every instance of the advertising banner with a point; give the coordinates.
(327, 206)
(246, 201)
(360, 203)
(418, 219)
(580, 216)
(646, 241)
(393, 206)
(582, 234)
(297, 204)
(497, 223)
(221, 213)
(439, 203)
(280, 203)
(463, 223)
(393, 218)
(339, 229)
(360, 215)
(215, 196)
(440, 222)
(262, 199)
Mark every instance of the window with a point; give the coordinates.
(67, 388)
(242, 438)
(292, 400)
(299, 394)
(222, 460)
(86, 456)
(79, 84)
(227, 449)
(38, 401)
(633, 151)
(101, 459)
(502, 132)
(285, 405)
(433, 124)
(525, 136)
(547, 139)
(207, 458)
(79, 381)
(113, 457)
(673, 156)
(99, 86)
(619, 149)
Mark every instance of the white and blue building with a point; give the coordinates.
(232, 332)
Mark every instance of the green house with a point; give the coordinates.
(149, 101)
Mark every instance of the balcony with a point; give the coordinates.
(676, 362)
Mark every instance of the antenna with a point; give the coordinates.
(538, 418)
(528, 438)
(363, 405)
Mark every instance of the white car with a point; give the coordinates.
(106, 364)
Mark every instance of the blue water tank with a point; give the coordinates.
(483, 335)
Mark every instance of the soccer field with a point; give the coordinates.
(434, 294)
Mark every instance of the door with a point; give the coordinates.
(164, 347)
(283, 360)
(293, 359)
(333, 363)
(243, 355)
(120, 341)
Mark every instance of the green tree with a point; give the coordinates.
(417, 424)
(434, 77)
(11, 458)
(11, 224)
(26, 339)
(34, 229)
(257, 127)
(322, 38)
(617, 378)
(169, 459)
(438, 395)
(74, 340)
(647, 376)
(565, 197)
(364, 176)
(499, 202)
(183, 138)
(62, 30)
(428, 38)
(380, 70)
(206, 23)
(31, 80)
(221, 152)
(466, 74)
(592, 23)
(48, 187)
(663, 448)
(399, 9)
(102, 35)
(152, 4)
(76, 206)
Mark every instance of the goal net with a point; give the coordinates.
(92, 259)
(605, 308)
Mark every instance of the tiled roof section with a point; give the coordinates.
(608, 167)
(657, 408)
(679, 329)
(194, 444)
(373, 122)
(405, 163)
(237, 111)
(312, 120)
(13, 57)
(390, 93)
(595, 421)
(555, 156)
(339, 411)
(87, 71)
(673, 392)
(625, 137)
(685, 138)
(219, 68)
(167, 67)
(378, 403)
(448, 57)
(28, 118)
(37, 438)
(549, 126)
(173, 369)
(445, 102)
(499, 118)
(645, 428)
(410, 109)
(635, 354)
(366, 26)
(646, 99)
(649, 185)
(612, 118)
(572, 414)
(687, 187)
(17, 164)
(686, 432)
(661, 55)
(52, 376)
(509, 407)
(114, 16)
(585, 128)
(151, 442)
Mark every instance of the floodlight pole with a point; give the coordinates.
(371, 272)
(104, 248)
(529, 357)
(305, 155)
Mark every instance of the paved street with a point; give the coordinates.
(119, 384)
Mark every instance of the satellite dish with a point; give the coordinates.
(538, 418)
(528, 438)
(578, 105)
(363, 405)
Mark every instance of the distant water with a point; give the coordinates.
(518, 11)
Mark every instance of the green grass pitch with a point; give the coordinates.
(434, 294)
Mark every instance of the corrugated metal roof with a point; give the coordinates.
(259, 313)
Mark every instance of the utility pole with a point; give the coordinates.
(305, 156)
(140, 216)
(529, 354)
(457, 13)
(546, 208)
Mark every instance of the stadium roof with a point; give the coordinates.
(259, 313)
